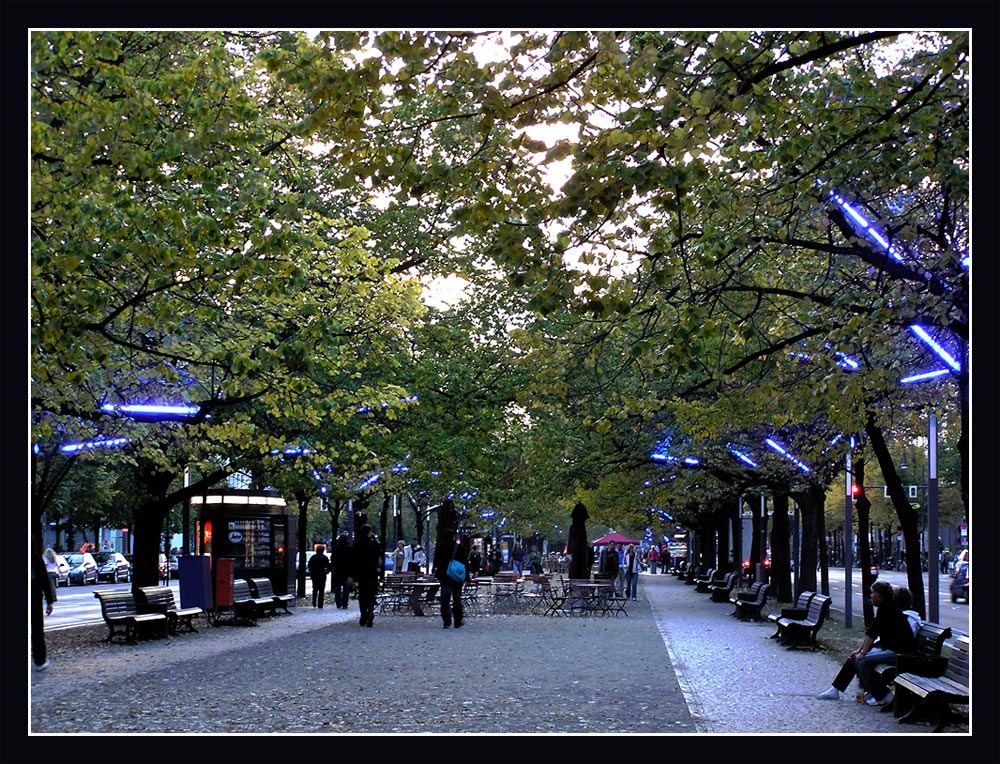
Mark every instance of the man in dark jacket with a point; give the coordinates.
(42, 597)
(366, 564)
(446, 550)
(318, 566)
(340, 571)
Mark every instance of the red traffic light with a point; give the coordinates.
(855, 490)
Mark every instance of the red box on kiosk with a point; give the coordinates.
(223, 582)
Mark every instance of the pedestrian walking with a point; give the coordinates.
(419, 559)
(449, 549)
(399, 557)
(517, 559)
(52, 566)
(42, 596)
(653, 556)
(633, 564)
(621, 567)
(475, 562)
(319, 566)
(340, 571)
(535, 561)
(366, 564)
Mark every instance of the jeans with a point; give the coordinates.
(631, 585)
(451, 601)
(871, 681)
(341, 592)
(518, 566)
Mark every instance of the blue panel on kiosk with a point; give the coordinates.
(196, 581)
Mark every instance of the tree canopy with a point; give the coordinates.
(661, 232)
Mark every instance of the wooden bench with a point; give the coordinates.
(749, 604)
(160, 599)
(926, 660)
(248, 607)
(915, 694)
(798, 610)
(702, 582)
(721, 592)
(119, 611)
(261, 589)
(801, 632)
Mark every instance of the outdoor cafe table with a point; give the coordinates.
(589, 596)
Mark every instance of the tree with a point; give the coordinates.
(180, 251)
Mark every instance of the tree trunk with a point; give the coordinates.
(908, 517)
(334, 513)
(781, 582)
(810, 505)
(383, 519)
(147, 520)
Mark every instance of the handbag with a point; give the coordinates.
(456, 570)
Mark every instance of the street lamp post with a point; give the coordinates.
(932, 517)
(848, 525)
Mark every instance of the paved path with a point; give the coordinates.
(680, 664)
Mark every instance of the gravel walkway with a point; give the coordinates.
(680, 664)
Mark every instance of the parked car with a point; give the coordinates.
(962, 559)
(960, 583)
(62, 572)
(113, 567)
(82, 568)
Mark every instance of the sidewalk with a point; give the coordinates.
(679, 664)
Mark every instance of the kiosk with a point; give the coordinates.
(250, 528)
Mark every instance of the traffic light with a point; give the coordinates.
(855, 490)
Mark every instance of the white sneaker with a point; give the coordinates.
(831, 694)
(887, 699)
(42, 666)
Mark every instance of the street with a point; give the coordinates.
(952, 614)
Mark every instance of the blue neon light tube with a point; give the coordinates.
(774, 445)
(939, 351)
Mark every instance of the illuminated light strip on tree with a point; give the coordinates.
(741, 456)
(407, 399)
(70, 448)
(923, 377)
(939, 351)
(781, 450)
(874, 235)
(159, 411)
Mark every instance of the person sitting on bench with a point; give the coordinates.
(895, 636)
